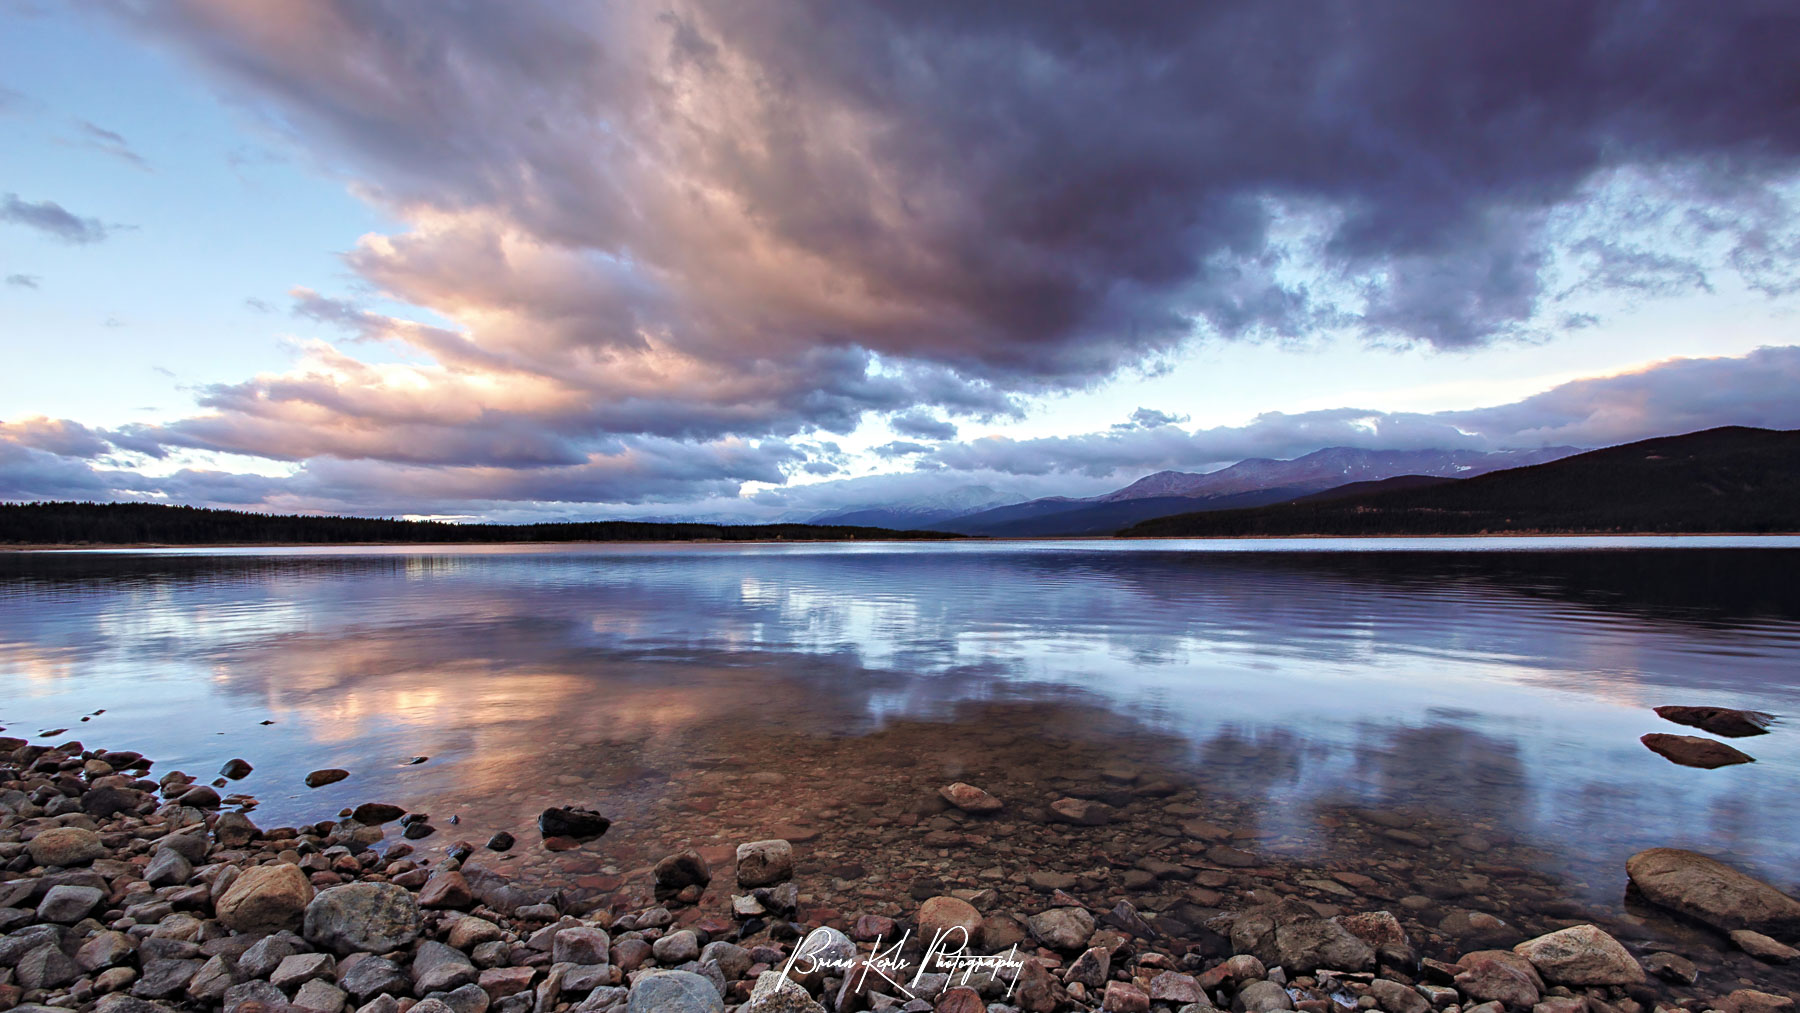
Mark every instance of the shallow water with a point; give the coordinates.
(717, 693)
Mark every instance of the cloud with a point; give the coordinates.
(1674, 396)
(923, 426)
(660, 249)
(57, 436)
(639, 476)
(23, 280)
(51, 218)
(736, 222)
(1150, 418)
(900, 448)
(111, 142)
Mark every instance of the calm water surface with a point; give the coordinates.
(1499, 686)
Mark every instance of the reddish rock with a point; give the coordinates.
(1733, 724)
(1581, 955)
(321, 778)
(500, 982)
(1242, 967)
(871, 927)
(446, 890)
(1176, 988)
(960, 999)
(1710, 891)
(1694, 750)
(1499, 976)
(1081, 812)
(1124, 997)
(1749, 1000)
(941, 915)
(1201, 830)
(1035, 990)
(969, 798)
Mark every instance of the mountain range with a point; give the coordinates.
(1252, 482)
(1731, 479)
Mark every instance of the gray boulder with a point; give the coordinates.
(673, 992)
(367, 917)
(67, 905)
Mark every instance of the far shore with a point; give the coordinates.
(113, 546)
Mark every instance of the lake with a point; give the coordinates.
(1458, 719)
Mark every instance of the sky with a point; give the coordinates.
(754, 261)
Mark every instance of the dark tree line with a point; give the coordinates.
(59, 523)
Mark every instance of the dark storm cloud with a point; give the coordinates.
(52, 219)
(1033, 193)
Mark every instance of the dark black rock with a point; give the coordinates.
(376, 813)
(104, 802)
(682, 869)
(1719, 720)
(330, 775)
(581, 824)
(501, 841)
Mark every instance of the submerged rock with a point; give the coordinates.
(1081, 812)
(969, 798)
(1762, 947)
(568, 821)
(1695, 751)
(376, 813)
(682, 869)
(1712, 892)
(330, 775)
(764, 863)
(941, 916)
(1733, 724)
(1062, 928)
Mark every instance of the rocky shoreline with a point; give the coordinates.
(128, 892)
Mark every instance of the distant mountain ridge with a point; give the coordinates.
(963, 499)
(1730, 479)
(1252, 482)
(1331, 467)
